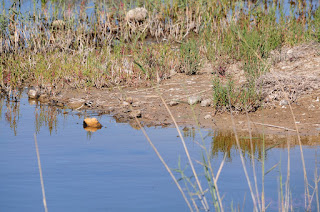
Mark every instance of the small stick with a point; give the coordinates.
(275, 126)
(41, 178)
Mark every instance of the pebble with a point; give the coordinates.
(194, 100)
(91, 122)
(173, 103)
(33, 94)
(135, 113)
(206, 103)
(172, 72)
(125, 103)
(283, 102)
(137, 14)
(135, 104)
(206, 117)
(43, 98)
(129, 100)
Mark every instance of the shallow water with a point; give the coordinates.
(115, 169)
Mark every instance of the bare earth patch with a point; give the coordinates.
(296, 69)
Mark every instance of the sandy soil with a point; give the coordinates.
(297, 70)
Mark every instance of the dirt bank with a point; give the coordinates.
(295, 70)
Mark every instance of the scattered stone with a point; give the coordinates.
(138, 14)
(147, 116)
(173, 103)
(172, 72)
(91, 122)
(125, 103)
(43, 98)
(194, 100)
(33, 94)
(206, 117)
(135, 104)
(206, 103)
(129, 100)
(135, 113)
(283, 102)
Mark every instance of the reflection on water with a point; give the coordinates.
(221, 141)
(45, 116)
(88, 170)
(225, 142)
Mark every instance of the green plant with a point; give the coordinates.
(190, 57)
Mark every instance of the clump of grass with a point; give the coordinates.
(190, 57)
(316, 23)
(241, 99)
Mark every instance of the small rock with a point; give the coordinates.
(194, 100)
(147, 116)
(91, 122)
(137, 14)
(173, 103)
(125, 103)
(129, 100)
(43, 98)
(206, 103)
(135, 113)
(206, 117)
(33, 94)
(172, 72)
(135, 104)
(283, 102)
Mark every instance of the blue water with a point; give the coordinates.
(115, 169)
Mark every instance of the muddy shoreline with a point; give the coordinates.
(145, 103)
(296, 71)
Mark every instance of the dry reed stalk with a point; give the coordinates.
(202, 197)
(41, 178)
(242, 159)
(275, 126)
(214, 178)
(300, 146)
(287, 192)
(253, 163)
(316, 186)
